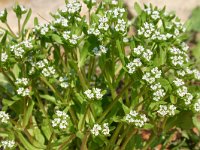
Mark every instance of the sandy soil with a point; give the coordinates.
(41, 8)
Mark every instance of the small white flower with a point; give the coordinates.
(137, 119)
(163, 110)
(178, 82)
(60, 120)
(4, 57)
(182, 91)
(8, 144)
(105, 130)
(89, 94)
(96, 129)
(138, 50)
(4, 117)
(171, 110)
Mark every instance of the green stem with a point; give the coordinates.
(153, 137)
(83, 121)
(114, 102)
(19, 26)
(114, 137)
(67, 141)
(7, 25)
(129, 136)
(84, 141)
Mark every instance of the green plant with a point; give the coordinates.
(87, 84)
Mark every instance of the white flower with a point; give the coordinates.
(96, 129)
(137, 119)
(156, 72)
(171, 110)
(163, 110)
(22, 81)
(196, 74)
(147, 54)
(4, 117)
(49, 71)
(4, 57)
(97, 93)
(60, 120)
(197, 106)
(155, 86)
(178, 82)
(158, 94)
(138, 50)
(89, 94)
(8, 144)
(63, 82)
(121, 25)
(133, 65)
(148, 78)
(101, 50)
(155, 15)
(188, 98)
(182, 91)
(105, 130)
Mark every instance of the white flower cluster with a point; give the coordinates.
(155, 14)
(166, 110)
(42, 29)
(182, 91)
(197, 106)
(178, 57)
(158, 92)
(63, 82)
(142, 52)
(72, 7)
(148, 30)
(22, 84)
(95, 93)
(60, 120)
(4, 117)
(93, 30)
(121, 25)
(151, 76)
(103, 23)
(61, 21)
(137, 119)
(47, 70)
(71, 38)
(97, 129)
(98, 51)
(116, 12)
(187, 72)
(19, 49)
(8, 144)
(4, 57)
(132, 66)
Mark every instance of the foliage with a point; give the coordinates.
(77, 83)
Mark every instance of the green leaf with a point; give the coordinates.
(121, 54)
(46, 129)
(26, 19)
(49, 98)
(28, 113)
(196, 121)
(137, 8)
(26, 143)
(194, 22)
(83, 54)
(57, 38)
